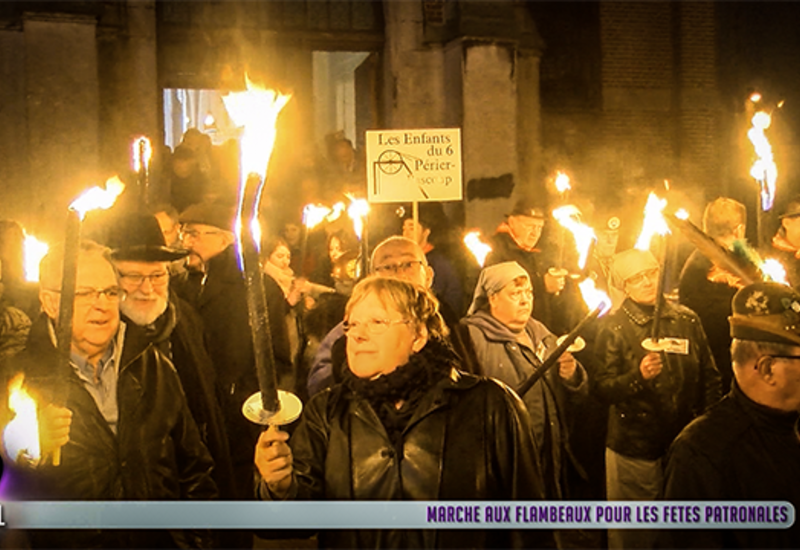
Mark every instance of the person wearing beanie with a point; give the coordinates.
(502, 340)
(652, 395)
(747, 447)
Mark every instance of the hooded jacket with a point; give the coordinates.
(646, 415)
(496, 352)
(156, 453)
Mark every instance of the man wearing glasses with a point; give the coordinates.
(747, 447)
(155, 314)
(116, 412)
(652, 395)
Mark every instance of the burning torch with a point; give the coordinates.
(764, 169)
(142, 152)
(599, 303)
(359, 213)
(313, 215)
(256, 110)
(479, 249)
(563, 187)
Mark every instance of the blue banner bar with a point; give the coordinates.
(399, 515)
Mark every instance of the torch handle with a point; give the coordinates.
(552, 359)
(662, 282)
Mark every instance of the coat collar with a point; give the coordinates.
(641, 317)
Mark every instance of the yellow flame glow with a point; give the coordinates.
(256, 110)
(682, 214)
(654, 222)
(562, 182)
(314, 214)
(764, 169)
(755, 97)
(570, 218)
(33, 252)
(137, 157)
(358, 212)
(336, 212)
(594, 297)
(21, 436)
(479, 249)
(98, 198)
(773, 270)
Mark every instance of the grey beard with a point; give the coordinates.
(144, 318)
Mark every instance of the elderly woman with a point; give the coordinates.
(405, 424)
(503, 341)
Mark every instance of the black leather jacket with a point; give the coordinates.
(646, 415)
(156, 454)
(469, 438)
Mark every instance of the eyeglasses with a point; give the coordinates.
(195, 234)
(403, 267)
(375, 327)
(87, 296)
(636, 280)
(137, 279)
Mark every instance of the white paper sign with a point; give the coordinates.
(414, 165)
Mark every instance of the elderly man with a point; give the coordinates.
(150, 311)
(516, 240)
(652, 395)
(746, 448)
(704, 288)
(215, 287)
(504, 342)
(125, 430)
(397, 257)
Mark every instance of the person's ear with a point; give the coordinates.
(429, 274)
(50, 303)
(421, 339)
(764, 368)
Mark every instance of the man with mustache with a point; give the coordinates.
(155, 314)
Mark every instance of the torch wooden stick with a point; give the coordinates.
(662, 282)
(69, 274)
(552, 359)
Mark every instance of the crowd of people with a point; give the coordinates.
(410, 371)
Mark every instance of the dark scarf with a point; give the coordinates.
(408, 383)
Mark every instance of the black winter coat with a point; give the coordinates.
(738, 451)
(156, 454)
(646, 415)
(468, 439)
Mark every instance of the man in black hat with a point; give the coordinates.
(747, 447)
(786, 242)
(214, 285)
(150, 311)
(515, 241)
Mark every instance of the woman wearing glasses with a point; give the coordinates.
(503, 341)
(405, 424)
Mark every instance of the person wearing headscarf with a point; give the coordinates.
(503, 341)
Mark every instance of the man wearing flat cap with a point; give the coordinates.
(747, 447)
(516, 240)
(500, 339)
(786, 242)
(214, 285)
(652, 395)
(156, 315)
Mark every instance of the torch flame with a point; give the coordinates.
(33, 252)
(98, 198)
(570, 218)
(682, 214)
(256, 110)
(21, 436)
(336, 212)
(755, 97)
(764, 169)
(139, 144)
(654, 222)
(594, 297)
(358, 211)
(479, 249)
(773, 270)
(314, 214)
(562, 182)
